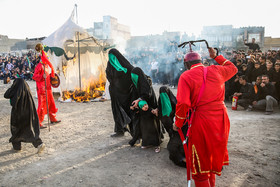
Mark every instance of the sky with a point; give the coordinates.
(34, 18)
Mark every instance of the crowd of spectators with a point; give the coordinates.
(12, 66)
(257, 83)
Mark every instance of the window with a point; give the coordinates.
(256, 36)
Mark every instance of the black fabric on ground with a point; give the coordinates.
(24, 118)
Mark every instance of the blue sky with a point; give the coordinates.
(34, 18)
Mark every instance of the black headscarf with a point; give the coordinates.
(144, 88)
(120, 88)
(167, 120)
(24, 118)
(172, 100)
(111, 71)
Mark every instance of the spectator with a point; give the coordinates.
(238, 64)
(28, 74)
(269, 70)
(257, 71)
(9, 66)
(251, 62)
(266, 98)
(244, 70)
(253, 46)
(263, 62)
(244, 93)
(2, 65)
(276, 78)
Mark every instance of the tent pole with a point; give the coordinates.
(76, 6)
(79, 61)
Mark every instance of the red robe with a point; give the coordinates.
(41, 92)
(210, 125)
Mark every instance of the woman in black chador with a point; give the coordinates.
(118, 74)
(166, 111)
(24, 118)
(148, 128)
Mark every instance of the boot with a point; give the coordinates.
(204, 183)
(212, 179)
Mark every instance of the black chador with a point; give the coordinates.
(24, 118)
(118, 74)
(167, 105)
(148, 127)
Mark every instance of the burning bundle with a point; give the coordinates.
(90, 93)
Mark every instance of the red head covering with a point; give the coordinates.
(191, 56)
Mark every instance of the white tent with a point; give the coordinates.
(90, 58)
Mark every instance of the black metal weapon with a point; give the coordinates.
(194, 41)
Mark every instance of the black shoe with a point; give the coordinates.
(117, 134)
(55, 122)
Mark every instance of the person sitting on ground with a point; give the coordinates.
(254, 92)
(244, 93)
(24, 118)
(266, 98)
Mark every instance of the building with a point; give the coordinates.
(31, 42)
(7, 45)
(218, 36)
(111, 30)
(271, 43)
(239, 34)
(225, 36)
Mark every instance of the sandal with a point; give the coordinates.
(157, 149)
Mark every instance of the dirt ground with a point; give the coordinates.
(80, 152)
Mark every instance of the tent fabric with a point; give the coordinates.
(93, 58)
(58, 52)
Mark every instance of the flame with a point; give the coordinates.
(93, 88)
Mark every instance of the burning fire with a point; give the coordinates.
(92, 89)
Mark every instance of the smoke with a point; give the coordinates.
(120, 43)
(144, 51)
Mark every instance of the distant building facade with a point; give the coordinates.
(271, 43)
(31, 42)
(225, 36)
(7, 45)
(111, 30)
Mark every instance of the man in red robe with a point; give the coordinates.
(40, 77)
(209, 130)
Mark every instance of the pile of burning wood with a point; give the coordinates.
(85, 95)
